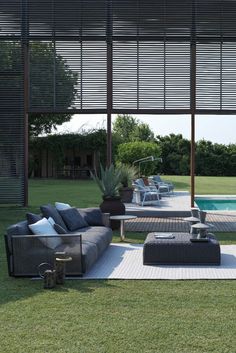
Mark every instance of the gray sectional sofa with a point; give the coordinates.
(26, 251)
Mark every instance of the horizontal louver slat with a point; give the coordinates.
(208, 76)
(10, 18)
(229, 75)
(151, 75)
(125, 75)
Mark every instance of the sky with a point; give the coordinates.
(218, 129)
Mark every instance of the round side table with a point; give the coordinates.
(122, 219)
(202, 228)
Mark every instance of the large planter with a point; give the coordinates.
(126, 194)
(114, 206)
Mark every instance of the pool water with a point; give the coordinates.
(216, 204)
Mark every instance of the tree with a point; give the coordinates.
(232, 159)
(210, 158)
(215, 159)
(42, 90)
(129, 129)
(142, 132)
(124, 126)
(175, 152)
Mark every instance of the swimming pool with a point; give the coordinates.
(214, 203)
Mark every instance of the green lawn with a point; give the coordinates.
(205, 185)
(113, 316)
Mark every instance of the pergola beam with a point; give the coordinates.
(134, 111)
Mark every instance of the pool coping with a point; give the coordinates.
(213, 197)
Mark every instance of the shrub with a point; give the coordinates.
(129, 152)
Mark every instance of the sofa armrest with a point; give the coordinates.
(106, 219)
(33, 236)
(28, 252)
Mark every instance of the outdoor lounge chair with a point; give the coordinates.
(145, 195)
(160, 182)
(163, 188)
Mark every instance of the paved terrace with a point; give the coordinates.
(176, 205)
(168, 216)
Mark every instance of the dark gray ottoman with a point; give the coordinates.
(180, 251)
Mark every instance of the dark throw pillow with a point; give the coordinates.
(59, 229)
(32, 218)
(62, 231)
(20, 228)
(50, 211)
(73, 219)
(93, 216)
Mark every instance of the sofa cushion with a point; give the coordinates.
(100, 236)
(32, 218)
(50, 211)
(43, 227)
(73, 219)
(93, 216)
(89, 256)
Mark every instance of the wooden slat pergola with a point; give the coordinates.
(127, 57)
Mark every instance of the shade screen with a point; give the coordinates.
(121, 56)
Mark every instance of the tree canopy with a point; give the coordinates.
(128, 128)
(42, 58)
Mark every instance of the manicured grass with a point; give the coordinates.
(118, 317)
(205, 185)
(82, 193)
(111, 316)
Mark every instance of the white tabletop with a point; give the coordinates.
(123, 217)
(201, 226)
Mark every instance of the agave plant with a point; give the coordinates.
(128, 173)
(109, 182)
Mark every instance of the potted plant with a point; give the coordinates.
(128, 173)
(109, 184)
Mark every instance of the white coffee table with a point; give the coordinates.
(122, 219)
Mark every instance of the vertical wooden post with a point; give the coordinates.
(25, 58)
(109, 140)
(193, 101)
(109, 82)
(192, 166)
